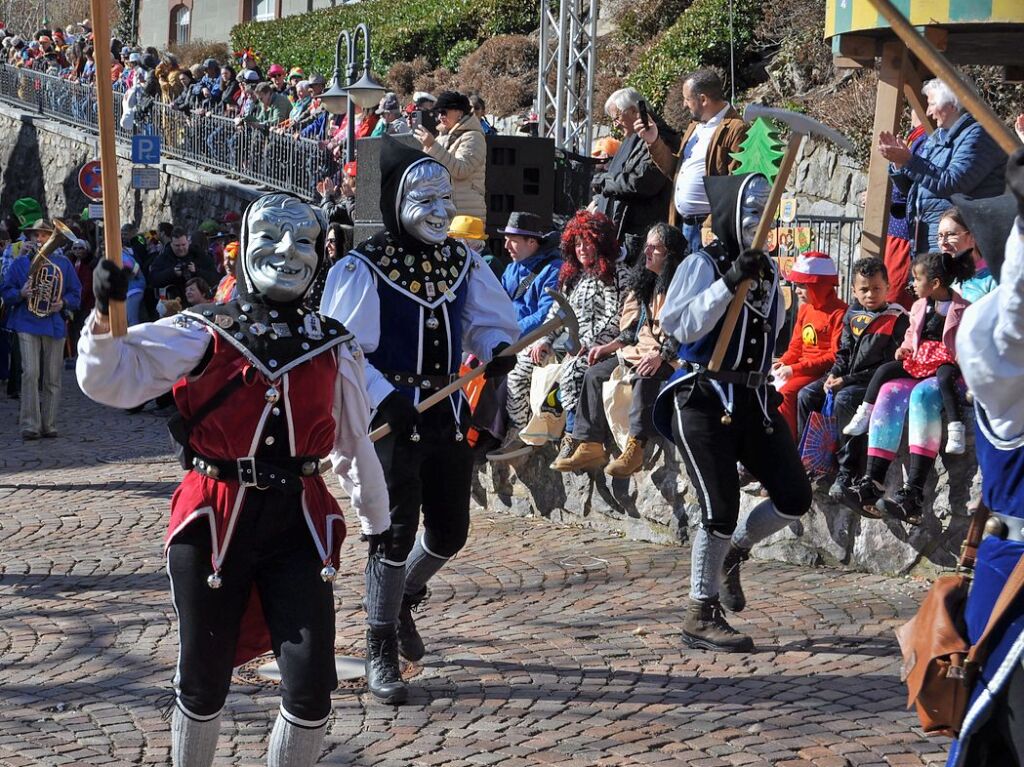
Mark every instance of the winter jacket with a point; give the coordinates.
(869, 339)
(19, 318)
(963, 159)
(463, 151)
(641, 329)
(918, 315)
(533, 305)
(815, 340)
(162, 274)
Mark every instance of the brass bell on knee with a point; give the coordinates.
(726, 419)
(415, 436)
(213, 581)
(328, 574)
(995, 526)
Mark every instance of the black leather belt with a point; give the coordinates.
(283, 474)
(1005, 527)
(692, 220)
(751, 379)
(418, 380)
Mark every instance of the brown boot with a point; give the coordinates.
(705, 628)
(565, 449)
(630, 461)
(733, 598)
(586, 456)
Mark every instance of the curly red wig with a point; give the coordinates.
(598, 230)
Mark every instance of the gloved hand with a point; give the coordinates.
(109, 283)
(1015, 178)
(499, 367)
(377, 543)
(747, 266)
(400, 413)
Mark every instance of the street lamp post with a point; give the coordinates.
(365, 92)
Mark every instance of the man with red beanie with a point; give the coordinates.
(819, 327)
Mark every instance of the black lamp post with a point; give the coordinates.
(366, 92)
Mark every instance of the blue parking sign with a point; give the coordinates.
(145, 150)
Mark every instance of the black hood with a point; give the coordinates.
(248, 293)
(990, 221)
(725, 194)
(396, 160)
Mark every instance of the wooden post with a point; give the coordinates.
(888, 108)
(108, 152)
(912, 82)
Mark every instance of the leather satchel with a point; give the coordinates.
(939, 665)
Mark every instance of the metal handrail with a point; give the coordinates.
(210, 141)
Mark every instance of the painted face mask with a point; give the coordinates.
(426, 207)
(753, 200)
(280, 256)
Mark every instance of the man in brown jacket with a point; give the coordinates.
(714, 134)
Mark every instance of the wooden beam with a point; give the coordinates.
(888, 109)
(858, 47)
(912, 92)
(937, 36)
(844, 62)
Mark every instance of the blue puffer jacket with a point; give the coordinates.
(963, 159)
(532, 307)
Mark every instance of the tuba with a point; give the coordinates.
(45, 277)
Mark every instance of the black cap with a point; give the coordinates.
(526, 225)
(452, 100)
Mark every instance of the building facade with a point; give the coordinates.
(167, 22)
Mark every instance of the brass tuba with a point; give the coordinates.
(46, 280)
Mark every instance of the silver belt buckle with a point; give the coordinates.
(247, 472)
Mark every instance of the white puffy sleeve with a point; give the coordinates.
(353, 458)
(350, 296)
(126, 372)
(488, 316)
(990, 345)
(695, 300)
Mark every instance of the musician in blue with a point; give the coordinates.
(990, 347)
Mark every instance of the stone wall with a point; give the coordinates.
(41, 158)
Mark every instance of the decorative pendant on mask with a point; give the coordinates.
(328, 574)
(458, 434)
(311, 323)
(432, 322)
(272, 395)
(257, 328)
(415, 436)
(214, 581)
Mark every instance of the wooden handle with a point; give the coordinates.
(930, 56)
(108, 154)
(732, 315)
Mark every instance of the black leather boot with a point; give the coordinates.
(383, 675)
(410, 643)
(732, 596)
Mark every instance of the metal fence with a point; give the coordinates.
(838, 236)
(213, 142)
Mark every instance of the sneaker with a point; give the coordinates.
(955, 438)
(905, 505)
(586, 456)
(843, 481)
(860, 421)
(513, 447)
(631, 460)
(705, 628)
(862, 497)
(565, 449)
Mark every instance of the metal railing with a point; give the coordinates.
(838, 236)
(212, 142)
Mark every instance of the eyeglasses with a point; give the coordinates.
(941, 236)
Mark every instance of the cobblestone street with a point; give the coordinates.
(546, 645)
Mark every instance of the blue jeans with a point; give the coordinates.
(692, 234)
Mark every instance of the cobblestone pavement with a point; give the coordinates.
(546, 645)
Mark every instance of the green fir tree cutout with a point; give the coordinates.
(761, 151)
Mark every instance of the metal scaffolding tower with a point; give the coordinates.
(568, 58)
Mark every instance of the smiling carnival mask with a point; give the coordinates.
(280, 248)
(426, 208)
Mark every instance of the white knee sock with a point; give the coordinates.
(421, 566)
(762, 521)
(295, 745)
(193, 741)
(707, 558)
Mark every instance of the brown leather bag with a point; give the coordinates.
(939, 666)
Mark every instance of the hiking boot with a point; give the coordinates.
(862, 497)
(586, 456)
(860, 421)
(905, 505)
(383, 675)
(955, 444)
(630, 461)
(565, 449)
(511, 448)
(843, 482)
(410, 643)
(732, 595)
(705, 628)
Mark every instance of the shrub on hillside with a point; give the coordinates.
(197, 52)
(401, 78)
(639, 21)
(504, 72)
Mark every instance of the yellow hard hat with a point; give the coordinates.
(467, 228)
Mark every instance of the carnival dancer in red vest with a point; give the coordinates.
(265, 390)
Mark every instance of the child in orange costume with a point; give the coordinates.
(819, 328)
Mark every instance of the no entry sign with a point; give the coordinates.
(89, 180)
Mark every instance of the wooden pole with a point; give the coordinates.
(108, 153)
(930, 56)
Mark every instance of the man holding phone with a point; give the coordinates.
(632, 192)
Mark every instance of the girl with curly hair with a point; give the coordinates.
(595, 280)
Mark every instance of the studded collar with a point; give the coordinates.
(429, 275)
(274, 340)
